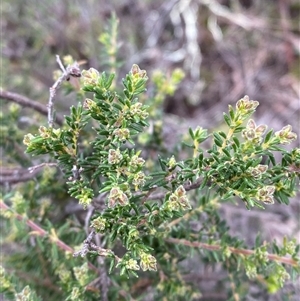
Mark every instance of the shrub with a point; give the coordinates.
(140, 196)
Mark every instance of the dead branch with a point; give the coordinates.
(18, 175)
(29, 103)
(245, 252)
(38, 231)
(72, 70)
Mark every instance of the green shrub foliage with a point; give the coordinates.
(138, 197)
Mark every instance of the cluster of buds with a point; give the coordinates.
(139, 180)
(64, 274)
(122, 134)
(285, 135)
(148, 262)
(258, 170)
(117, 197)
(44, 132)
(98, 224)
(90, 77)
(281, 274)
(133, 233)
(172, 163)
(86, 196)
(27, 139)
(26, 294)
(132, 264)
(289, 246)
(265, 194)
(138, 112)
(136, 73)
(114, 156)
(245, 106)
(19, 204)
(166, 85)
(4, 280)
(75, 294)
(251, 270)
(89, 104)
(253, 132)
(81, 274)
(261, 255)
(136, 162)
(178, 200)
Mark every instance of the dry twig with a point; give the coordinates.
(18, 175)
(71, 70)
(215, 247)
(29, 103)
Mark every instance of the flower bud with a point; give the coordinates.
(286, 135)
(117, 197)
(114, 156)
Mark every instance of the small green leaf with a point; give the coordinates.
(227, 119)
(191, 133)
(268, 136)
(109, 81)
(126, 93)
(158, 173)
(236, 141)
(226, 152)
(231, 113)
(106, 188)
(148, 207)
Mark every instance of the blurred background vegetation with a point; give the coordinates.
(226, 48)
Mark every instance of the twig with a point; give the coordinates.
(104, 280)
(29, 103)
(13, 176)
(105, 252)
(246, 252)
(147, 197)
(89, 245)
(41, 232)
(187, 215)
(161, 195)
(72, 70)
(87, 219)
(39, 166)
(86, 245)
(233, 18)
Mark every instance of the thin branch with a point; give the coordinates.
(246, 252)
(161, 195)
(37, 230)
(194, 185)
(86, 245)
(187, 215)
(39, 166)
(29, 103)
(104, 279)
(87, 219)
(89, 245)
(72, 70)
(18, 175)
(15, 176)
(238, 19)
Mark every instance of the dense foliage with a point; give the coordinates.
(143, 210)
